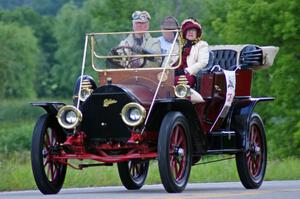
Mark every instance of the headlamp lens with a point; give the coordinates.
(135, 114)
(71, 117)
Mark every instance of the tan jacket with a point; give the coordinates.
(149, 43)
(198, 57)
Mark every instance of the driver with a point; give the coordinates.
(143, 43)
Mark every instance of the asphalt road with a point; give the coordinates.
(227, 190)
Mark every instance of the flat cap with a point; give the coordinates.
(169, 23)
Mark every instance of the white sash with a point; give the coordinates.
(230, 93)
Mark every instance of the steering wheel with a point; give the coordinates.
(125, 61)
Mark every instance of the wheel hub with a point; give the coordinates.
(179, 153)
(45, 152)
(255, 148)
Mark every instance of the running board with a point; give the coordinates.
(222, 141)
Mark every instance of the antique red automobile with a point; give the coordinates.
(135, 113)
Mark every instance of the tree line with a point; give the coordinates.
(42, 42)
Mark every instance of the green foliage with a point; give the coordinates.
(19, 57)
(43, 7)
(42, 29)
(70, 47)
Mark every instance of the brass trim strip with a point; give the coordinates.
(130, 56)
(93, 52)
(130, 32)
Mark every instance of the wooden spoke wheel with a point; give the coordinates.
(174, 152)
(133, 173)
(49, 174)
(251, 164)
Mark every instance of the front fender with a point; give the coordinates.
(240, 118)
(162, 107)
(50, 107)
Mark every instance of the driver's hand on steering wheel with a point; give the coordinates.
(138, 49)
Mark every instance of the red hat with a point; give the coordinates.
(189, 24)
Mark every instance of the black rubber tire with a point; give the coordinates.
(172, 121)
(251, 165)
(133, 173)
(44, 182)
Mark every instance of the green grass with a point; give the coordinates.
(16, 173)
(17, 120)
(15, 135)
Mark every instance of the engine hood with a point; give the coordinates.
(101, 111)
(141, 93)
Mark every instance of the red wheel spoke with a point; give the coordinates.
(171, 161)
(55, 170)
(180, 140)
(175, 141)
(181, 170)
(249, 162)
(255, 137)
(251, 169)
(171, 151)
(177, 159)
(183, 144)
(51, 168)
(248, 154)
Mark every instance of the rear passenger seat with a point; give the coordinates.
(225, 58)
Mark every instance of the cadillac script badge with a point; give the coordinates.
(108, 102)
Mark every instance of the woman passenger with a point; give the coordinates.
(195, 52)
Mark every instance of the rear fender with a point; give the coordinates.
(240, 118)
(162, 107)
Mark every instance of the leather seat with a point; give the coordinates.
(225, 58)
